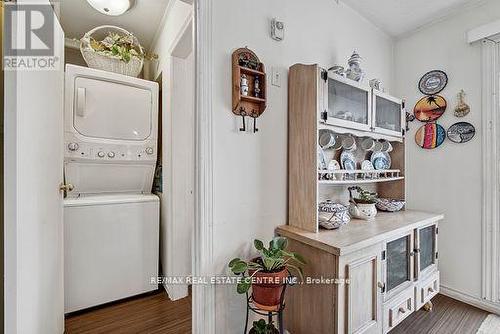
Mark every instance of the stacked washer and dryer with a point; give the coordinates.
(111, 219)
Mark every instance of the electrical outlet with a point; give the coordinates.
(276, 77)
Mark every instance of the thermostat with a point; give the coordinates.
(277, 30)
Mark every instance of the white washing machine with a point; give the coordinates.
(111, 220)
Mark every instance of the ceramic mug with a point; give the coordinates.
(377, 147)
(329, 140)
(386, 146)
(368, 144)
(349, 143)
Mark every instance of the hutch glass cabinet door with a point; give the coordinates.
(348, 103)
(399, 264)
(426, 249)
(387, 114)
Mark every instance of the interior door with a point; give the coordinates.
(33, 203)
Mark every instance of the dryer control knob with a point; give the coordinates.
(100, 154)
(149, 150)
(111, 154)
(73, 146)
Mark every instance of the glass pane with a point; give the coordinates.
(347, 103)
(426, 236)
(398, 262)
(388, 114)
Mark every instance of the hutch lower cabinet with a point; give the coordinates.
(365, 277)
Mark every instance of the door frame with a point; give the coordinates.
(203, 311)
(490, 187)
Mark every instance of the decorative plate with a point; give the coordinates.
(367, 165)
(333, 165)
(430, 136)
(429, 108)
(381, 160)
(433, 82)
(461, 132)
(347, 160)
(321, 158)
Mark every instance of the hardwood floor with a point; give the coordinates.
(155, 313)
(449, 316)
(151, 313)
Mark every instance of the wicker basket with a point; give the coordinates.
(109, 63)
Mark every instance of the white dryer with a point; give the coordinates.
(111, 123)
(111, 220)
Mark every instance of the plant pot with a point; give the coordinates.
(366, 211)
(267, 288)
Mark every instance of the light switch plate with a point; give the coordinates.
(276, 77)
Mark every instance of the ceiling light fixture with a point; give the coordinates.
(111, 7)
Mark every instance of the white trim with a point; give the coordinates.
(485, 31)
(490, 215)
(203, 295)
(182, 31)
(176, 291)
(164, 18)
(468, 299)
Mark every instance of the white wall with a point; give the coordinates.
(250, 180)
(177, 204)
(448, 179)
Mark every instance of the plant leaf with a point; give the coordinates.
(243, 286)
(239, 267)
(233, 262)
(281, 243)
(259, 245)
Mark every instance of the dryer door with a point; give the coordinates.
(111, 110)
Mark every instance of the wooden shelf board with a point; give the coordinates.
(252, 99)
(360, 181)
(250, 71)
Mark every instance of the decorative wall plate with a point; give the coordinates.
(430, 135)
(433, 82)
(430, 108)
(461, 132)
(347, 160)
(381, 160)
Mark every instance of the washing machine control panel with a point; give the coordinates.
(84, 150)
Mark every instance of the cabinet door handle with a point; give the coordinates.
(381, 286)
(431, 290)
(402, 310)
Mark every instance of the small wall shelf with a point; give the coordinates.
(250, 101)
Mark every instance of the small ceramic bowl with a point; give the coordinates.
(332, 215)
(389, 205)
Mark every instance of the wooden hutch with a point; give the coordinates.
(380, 271)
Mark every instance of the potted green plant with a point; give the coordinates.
(262, 327)
(362, 206)
(267, 273)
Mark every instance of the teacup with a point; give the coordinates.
(386, 146)
(349, 143)
(329, 140)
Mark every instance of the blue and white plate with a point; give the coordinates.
(347, 160)
(381, 160)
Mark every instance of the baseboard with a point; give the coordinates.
(471, 300)
(176, 291)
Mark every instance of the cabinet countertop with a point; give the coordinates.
(359, 233)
